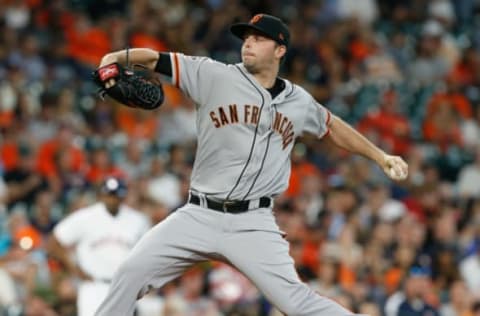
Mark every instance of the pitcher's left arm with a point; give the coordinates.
(346, 137)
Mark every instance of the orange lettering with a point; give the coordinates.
(287, 129)
(215, 120)
(278, 119)
(233, 113)
(287, 140)
(285, 120)
(223, 116)
(246, 112)
(255, 115)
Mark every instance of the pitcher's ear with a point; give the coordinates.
(280, 51)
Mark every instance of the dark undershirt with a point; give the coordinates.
(164, 66)
(277, 87)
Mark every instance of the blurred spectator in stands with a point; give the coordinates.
(429, 66)
(339, 204)
(470, 271)
(17, 15)
(472, 86)
(148, 34)
(471, 131)
(476, 308)
(327, 281)
(412, 299)
(44, 213)
(192, 285)
(44, 125)
(9, 299)
(460, 301)
(369, 308)
(403, 259)
(139, 124)
(442, 11)
(416, 295)
(102, 166)
(37, 306)
(66, 110)
(155, 210)
(134, 160)
(87, 43)
(297, 249)
(387, 125)
(60, 148)
(13, 82)
(300, 72)
(300, 169)
(24, 182)
(380, 67)
(19, 261)
(180, 162)
(66, 295)
(28, 58)
(365, 11)
(163, 186)
(464, 71)
(442, 127)
(469, 177)
(101, 120)
(399, 47)
(348, 253)
(451, 94)
(442, 250)
(232, 291)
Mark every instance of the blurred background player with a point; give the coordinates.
(101, 234)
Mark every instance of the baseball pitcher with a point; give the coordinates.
(247, 121)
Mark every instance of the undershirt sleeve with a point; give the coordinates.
(164, 64)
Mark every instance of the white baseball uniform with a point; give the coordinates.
(102, 241)
(244, 142)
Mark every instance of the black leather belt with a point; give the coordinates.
(229, 206)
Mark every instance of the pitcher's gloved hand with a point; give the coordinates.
(128, 87)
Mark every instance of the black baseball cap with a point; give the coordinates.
(268, 25)
(114, 186)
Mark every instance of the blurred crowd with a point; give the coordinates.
(405, 73)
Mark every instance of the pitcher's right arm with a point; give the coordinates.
(145, 56)
(153, 60)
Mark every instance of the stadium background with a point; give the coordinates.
(405, 73)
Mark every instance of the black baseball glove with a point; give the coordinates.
(131, 88)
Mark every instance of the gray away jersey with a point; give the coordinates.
(244, 137)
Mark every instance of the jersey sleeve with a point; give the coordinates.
(69, 231)
(317, 119)
(195, 76)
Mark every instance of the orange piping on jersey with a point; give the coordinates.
(177, 70)
(328, 118)
(326, 124)
(326, 133)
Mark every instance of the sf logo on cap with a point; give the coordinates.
(256, 18)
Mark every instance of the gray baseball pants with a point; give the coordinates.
(250, 241)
